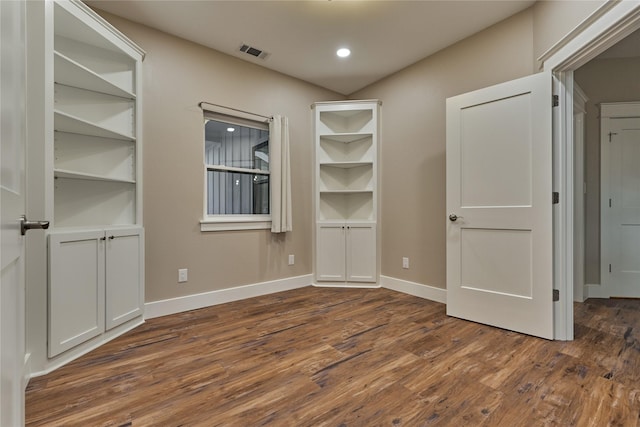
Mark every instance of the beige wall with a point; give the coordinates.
(177, 76)
(603, 80)
(413, 217)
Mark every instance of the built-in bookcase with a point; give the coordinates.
(96, 109)
(346, 142)
(92, 146)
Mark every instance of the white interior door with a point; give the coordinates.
(621, 212)
(499, 177)
(12, 205)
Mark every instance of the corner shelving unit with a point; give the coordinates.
(346, 198)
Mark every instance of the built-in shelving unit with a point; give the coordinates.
(346, 158)
(93, 185)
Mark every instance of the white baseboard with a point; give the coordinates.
(595, 291)
(81, 349)
(416, 289)
(351, 285)
(206, 299)
(26, 371)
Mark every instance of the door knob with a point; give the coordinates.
(454, 217)
(29, 225)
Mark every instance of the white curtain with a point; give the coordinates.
(280, 177)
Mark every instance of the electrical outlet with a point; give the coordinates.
(183, 275)
(292, 259)
(405, 262)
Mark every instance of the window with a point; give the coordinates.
(236, 156)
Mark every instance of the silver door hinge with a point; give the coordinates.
(556, 101)
(556, 295)
(555, 198)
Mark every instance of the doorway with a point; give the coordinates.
(612, 76)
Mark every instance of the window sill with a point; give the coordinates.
(236, 222)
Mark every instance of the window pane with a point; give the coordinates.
(230, 193)
(242, 147)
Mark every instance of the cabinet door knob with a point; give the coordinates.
(112, 237)
(103, 238)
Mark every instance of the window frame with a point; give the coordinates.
(231, 222)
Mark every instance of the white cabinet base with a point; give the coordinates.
(95, 284)
(346, 252)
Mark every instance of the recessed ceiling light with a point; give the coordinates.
(230, 129)
(343, 52)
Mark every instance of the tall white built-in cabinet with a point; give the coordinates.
(90, 91)
(346, 193)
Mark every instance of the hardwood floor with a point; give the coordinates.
(349, 357)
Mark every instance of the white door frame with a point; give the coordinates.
(579, 112)
(607, 26)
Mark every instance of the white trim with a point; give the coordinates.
(234, 116)
(579, 103)
(222, 296)
(603, 32)
(579, 112)
(84, 348)
(236, 222)
(348, 285)
(93, 16)
(26, 371)
(616, 23)
(594, 290)
(346, 102)
(614, 110)
(563, 177)
(416, 289)
(604, 8)
(221, 168)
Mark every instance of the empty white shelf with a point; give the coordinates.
(71, 73)
(68, 123)
(62, 173)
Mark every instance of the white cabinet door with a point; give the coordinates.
(330, 256)
(499, 171)
(124, 275)
(76, 288)
(361, 253)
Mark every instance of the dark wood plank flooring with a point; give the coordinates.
(349, 357)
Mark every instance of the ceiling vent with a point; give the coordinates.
(253, 51)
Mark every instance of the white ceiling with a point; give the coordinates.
(302, 37)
